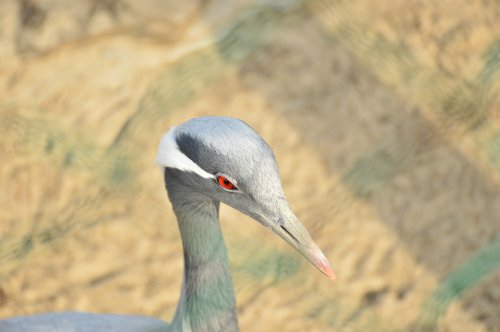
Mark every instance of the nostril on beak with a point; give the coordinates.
(289, 234)
(279, 221)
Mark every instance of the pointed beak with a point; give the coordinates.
(294, 233)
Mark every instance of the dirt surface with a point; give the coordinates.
(385, 120)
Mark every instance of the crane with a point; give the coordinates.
(205, 161)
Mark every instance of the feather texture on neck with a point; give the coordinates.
(207, 298)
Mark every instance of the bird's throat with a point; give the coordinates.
(207, 298)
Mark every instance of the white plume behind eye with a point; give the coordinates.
(169, 155)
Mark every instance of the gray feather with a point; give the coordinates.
(193, 155)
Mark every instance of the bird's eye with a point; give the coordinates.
(225, 183)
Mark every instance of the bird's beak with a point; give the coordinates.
(292, 231)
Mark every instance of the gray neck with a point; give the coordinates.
(207, 300)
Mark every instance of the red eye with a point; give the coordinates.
(225, 183)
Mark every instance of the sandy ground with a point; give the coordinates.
(385, 120)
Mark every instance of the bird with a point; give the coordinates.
(205, 161)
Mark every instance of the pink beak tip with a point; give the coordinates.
(322, 264)
(328, 271)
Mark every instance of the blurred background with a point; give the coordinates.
(384, 117)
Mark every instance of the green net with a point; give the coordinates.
(384, 118)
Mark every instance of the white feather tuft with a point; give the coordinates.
(169, 155)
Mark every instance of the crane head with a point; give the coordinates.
(225, 159)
